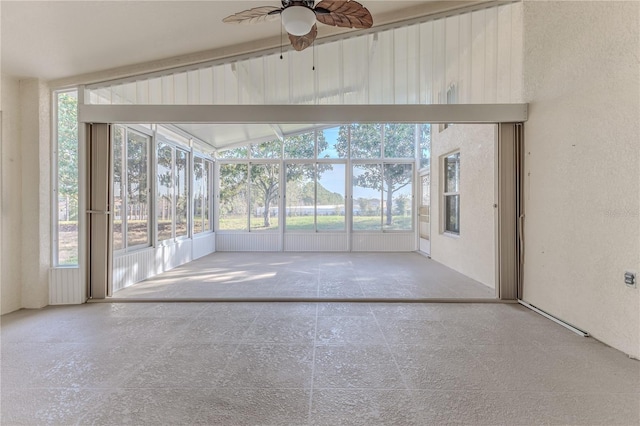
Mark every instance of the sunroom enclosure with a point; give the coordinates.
(462, 67)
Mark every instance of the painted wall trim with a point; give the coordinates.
(292, 114)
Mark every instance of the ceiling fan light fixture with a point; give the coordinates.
(298, 20)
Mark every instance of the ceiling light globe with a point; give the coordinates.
(298, 20)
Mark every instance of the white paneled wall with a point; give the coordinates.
(387, 241)
(248, 241)
(316, 242)
(133, 267)
(203, 245)
(66, 286)
(136, 266)
(477, 53)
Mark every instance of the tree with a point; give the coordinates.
(264, 178)
(399, 142)
(233, 181)
(68, 151)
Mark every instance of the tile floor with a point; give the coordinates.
(307, 364)
(310, 275)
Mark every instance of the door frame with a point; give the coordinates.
(509, 118)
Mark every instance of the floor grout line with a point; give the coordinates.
(393, 356)
(313, 365)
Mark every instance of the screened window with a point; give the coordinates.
(234, 202)
(424, 137)
(300, 198)
(249, 196)
(399, 140)
(182, 192)
(328, 144)
(264, 192)
(382, 197)
(315, 198)
(300, 146)
(242, 152)
(330, 196)
(201, 195)
(367, 200)
(137, 187)
(164, 199)
(366, 140)
(130, 209)
(119, 176)
(452, 193)
(66, 157)
(315, 172)
(398, 193)
(271, 149)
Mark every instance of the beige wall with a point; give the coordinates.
(26, 168)
(582, 226)
(35, 138)
(11, 214)
(472, 252)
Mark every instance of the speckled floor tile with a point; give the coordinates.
(443, 368)
(358, 329)
(269, 366)
(309, 275)
(558, 368)
(147, 406)
(398, 331)
(469, 408)
(363, 407)
(307, 363)
(183, 365)
(356, 366)
(46, 406)
(218, 328)
(254, 407)
(344, 309)
(273, 329)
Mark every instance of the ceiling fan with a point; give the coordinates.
(299, 18)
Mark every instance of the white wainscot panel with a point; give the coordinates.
(316, 241)
(248, 241)
(175, 254)
(66, 286)
(133, 267)
(386, 241)
(203, 244)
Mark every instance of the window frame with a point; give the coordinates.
(315, 163)
(382, 163)
(151, 187)
(208, 164)
(55, 181)
(446, 194)
(348, 162)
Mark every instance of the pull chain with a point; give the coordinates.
(313, 67)
(281, 40)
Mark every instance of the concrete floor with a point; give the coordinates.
(310, 275)
(307, 364)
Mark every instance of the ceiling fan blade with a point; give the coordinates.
(253, 16)
(302, 42)
(349, 14)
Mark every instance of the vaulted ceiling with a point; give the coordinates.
(59, 39)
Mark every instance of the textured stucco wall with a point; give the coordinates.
(472, 252)
(35, 140)
(582, 226)
(11, 214)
